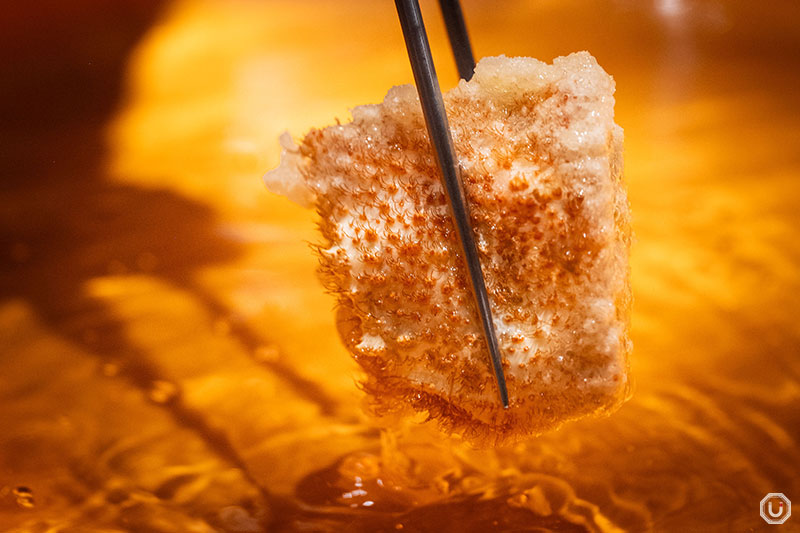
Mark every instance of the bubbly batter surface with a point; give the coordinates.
(542, 168)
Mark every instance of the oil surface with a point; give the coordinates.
(168, 361)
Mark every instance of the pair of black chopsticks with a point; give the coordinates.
(419, 52)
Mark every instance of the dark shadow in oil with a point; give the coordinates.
(64, 222)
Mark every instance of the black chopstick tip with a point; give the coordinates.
(459, 38)
(502, 389)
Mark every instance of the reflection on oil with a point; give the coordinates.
(169, 362)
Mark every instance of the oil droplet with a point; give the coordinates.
(533, 499)
(162, 391)
(24, 497)
(362, 466)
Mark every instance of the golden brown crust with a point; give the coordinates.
(542, 169)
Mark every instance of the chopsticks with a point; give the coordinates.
(419, 53)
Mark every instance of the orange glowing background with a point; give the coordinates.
(168, 361)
